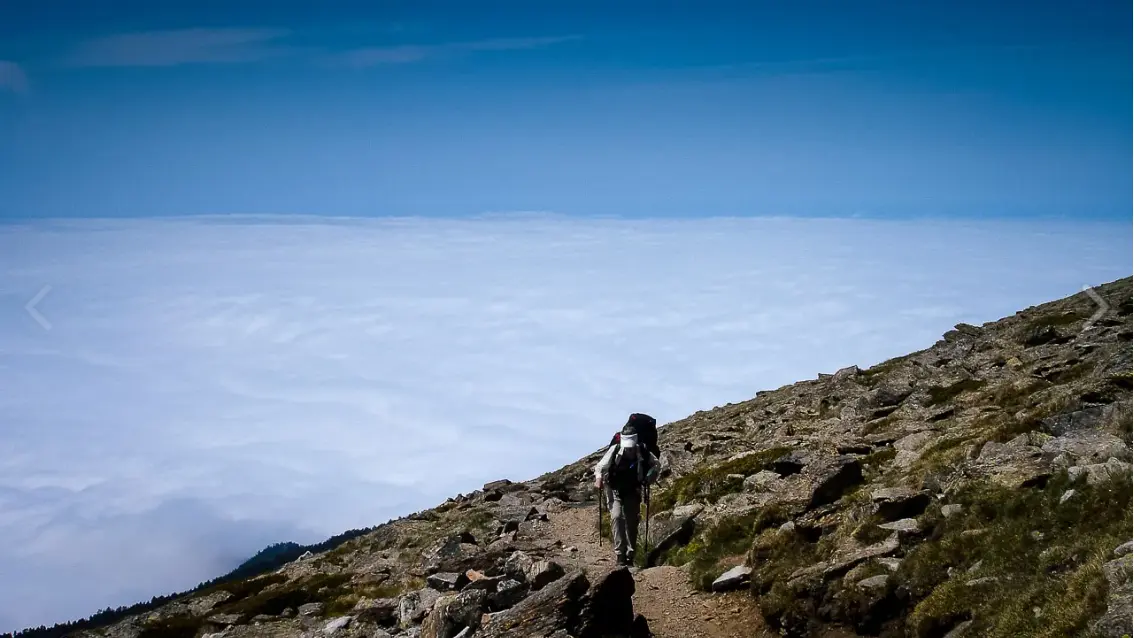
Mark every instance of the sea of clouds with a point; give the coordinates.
(203, 387)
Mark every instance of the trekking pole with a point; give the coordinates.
(600, 517)
(646, 548)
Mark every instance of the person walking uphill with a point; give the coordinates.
(628, 467)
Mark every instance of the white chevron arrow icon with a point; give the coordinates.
(30, 307)
(1104, 307)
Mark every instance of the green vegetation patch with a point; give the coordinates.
(1011, 551)
(319, 588)
(180, 626)
(775, 556)
(872, 375)
(711, 483)
(242, 589)
(940, 394)
(706, 553)
(1054, 320)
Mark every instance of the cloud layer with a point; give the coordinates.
(209, 386)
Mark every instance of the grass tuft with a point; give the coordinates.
(709, 484)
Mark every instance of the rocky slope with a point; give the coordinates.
(980, 487)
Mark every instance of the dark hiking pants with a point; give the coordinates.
(625, 508)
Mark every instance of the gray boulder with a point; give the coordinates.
(413, 607)
(456, 553)
(311, 609)
(335, 626)
(543, 573)
(835, 479)
(1116, 621)
(508, 592)
(453, 613)
(893, 503)
(1088, 447)
(672, 528)
(1085, 419)
(447, 581)
(1099, 473)
(732, 579)
(761, 481)
(379, 611)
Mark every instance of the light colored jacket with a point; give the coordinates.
(652, 463)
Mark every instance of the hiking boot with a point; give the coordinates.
(623, 561)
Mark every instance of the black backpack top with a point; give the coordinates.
(647, 429)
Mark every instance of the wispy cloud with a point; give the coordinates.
(180, 46)
(404, 54)
(865, 61)
(209, 386)
(231, 46)
(12, 77)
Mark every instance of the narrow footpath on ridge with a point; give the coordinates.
(662, 594)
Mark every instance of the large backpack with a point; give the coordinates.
(627, 468)
(647, 429)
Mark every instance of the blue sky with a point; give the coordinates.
(582, 108)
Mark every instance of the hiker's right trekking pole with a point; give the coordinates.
(600, 516)
(646, 544)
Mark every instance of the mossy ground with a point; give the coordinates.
(720, 547)
(942, 394)
(1042, 554)
(709, 484)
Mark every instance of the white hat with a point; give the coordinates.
(628, 440)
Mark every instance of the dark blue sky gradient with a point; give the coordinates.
(583, 108)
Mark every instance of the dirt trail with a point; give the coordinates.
(663, 594)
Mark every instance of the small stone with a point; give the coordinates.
(914, 442)
(891, 564)
(986, 580)
(874, 582)
(904, 526)
(732, 579)
(1068, 495)
(381, 611)
(311, 609)
(951, 509)
(1124, 549)
(447, 581)
(761, 481)
(543, 573)
(959, 630)
(335, 625)
(224, 619)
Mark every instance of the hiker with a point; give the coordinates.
(628, 467)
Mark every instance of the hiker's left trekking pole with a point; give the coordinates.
(600, 516)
